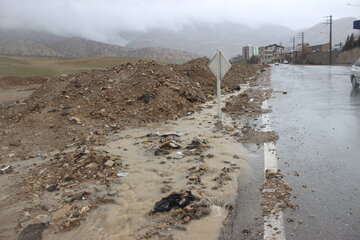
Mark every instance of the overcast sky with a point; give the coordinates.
(91, 18)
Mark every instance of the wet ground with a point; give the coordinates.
(318, 121)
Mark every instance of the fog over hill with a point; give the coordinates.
(188, 41)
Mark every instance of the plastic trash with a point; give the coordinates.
(122, 174)
(174, 199)
(6, 169)
(167, 134)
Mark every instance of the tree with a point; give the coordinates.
(351, 43)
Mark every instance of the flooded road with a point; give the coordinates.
(318, 122)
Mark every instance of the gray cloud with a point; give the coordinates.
(102, 20)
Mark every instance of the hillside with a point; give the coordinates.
(29, 43)
(27, 47)
(319, 33)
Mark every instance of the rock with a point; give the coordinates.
(92, 165)
(42, 218)
(229, 129)
(51, 188)
(202, 203)
(84, 209)
(103, 113)
(75, 120)
(62, 212)
(179, 228)
(68, 179)
(186, 219)
(202, 212)
(109, 163)
(112, 192)
(32, 232)
(15, 143)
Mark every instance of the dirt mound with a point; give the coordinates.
(80, 108)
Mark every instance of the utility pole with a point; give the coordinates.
(292, 40)
(329, 22)
(301, 35)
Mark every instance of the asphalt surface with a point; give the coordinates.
(318, 122)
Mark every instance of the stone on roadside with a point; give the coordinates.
(92, 165)
(84, 209)
(75, 120)
(109, 163)
(15, 143)
(42, 218)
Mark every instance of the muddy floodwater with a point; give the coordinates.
(149, 177)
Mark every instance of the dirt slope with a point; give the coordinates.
(77, 109)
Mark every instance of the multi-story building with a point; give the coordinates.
(271, 53)
(249, 51)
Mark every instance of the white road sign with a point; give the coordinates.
(219, 65)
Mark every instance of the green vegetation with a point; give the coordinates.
(27, 66)
(351, 43)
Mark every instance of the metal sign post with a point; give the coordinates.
(219, 66)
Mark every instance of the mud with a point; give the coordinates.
(104, 186)
(152, 177)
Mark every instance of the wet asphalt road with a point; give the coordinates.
(318, 122)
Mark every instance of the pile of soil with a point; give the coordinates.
(248, 106)
(276, 194)
(78, 109)
(248, 103)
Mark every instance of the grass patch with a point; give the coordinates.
(28, 66)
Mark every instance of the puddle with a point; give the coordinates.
(207, 228)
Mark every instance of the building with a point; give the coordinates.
(318, 48)
(271, 53)
(249, 51)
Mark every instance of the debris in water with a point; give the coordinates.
(169, 134)
(6, 169)
(52, 188)
(197, 142)
(122, 174)
(237, 88)
(170, 144)
(174, 199)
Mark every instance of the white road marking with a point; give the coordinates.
(274, 223)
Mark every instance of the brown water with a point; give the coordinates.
(140, 189)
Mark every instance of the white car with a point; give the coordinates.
(355, 74)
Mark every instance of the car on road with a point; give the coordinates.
(355, 74)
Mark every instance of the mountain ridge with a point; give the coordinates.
(175, 46)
